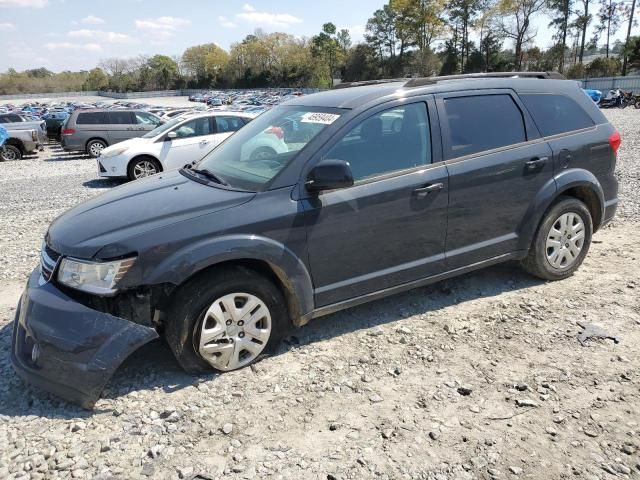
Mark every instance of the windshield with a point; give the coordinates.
(163, 128)
(254, 155)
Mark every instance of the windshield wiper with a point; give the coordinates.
(209, 174)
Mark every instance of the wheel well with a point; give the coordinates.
(143, 156)
(16, 143)
(587, 196)
(86, 145)
(261, 267)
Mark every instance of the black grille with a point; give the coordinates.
(48, 261)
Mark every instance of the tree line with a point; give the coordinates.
(404, 38)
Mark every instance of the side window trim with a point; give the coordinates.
(436, 141)
(532, 135)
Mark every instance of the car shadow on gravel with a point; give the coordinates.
(60, 157)
(153, 366)
(102, 183)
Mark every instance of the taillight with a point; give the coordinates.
(277, 131)
(614, 142)
(68, 131)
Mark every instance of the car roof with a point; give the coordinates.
(359, 96)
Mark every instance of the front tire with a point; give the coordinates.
(10, 153)
(225, 319)
(561, 242)
(142, 167)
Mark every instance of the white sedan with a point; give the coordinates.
(176, 143)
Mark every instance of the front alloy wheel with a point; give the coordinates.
(234, 331)
(144, 168)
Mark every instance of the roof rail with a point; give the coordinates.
(418, 82)
(368, 82)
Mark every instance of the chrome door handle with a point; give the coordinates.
(427, 189)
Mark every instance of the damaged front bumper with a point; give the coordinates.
(66, 348)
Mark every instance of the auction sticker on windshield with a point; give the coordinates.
(318, 117)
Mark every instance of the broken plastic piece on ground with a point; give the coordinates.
(589, 330)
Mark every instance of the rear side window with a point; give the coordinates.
(229, 124)
(92, 118)
(479, 123)
(144, 118)
(120, 118)
(556, 114)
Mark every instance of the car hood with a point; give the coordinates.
(133, 209)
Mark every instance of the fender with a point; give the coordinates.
(556, 186)
(290, 269)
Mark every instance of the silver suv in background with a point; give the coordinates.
(93, 130)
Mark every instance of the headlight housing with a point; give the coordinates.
(100, 278)
(114, 152)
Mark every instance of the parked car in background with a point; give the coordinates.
(20, 143)
(91, 131)
(13, 122)
(172, 145)
(54, 122)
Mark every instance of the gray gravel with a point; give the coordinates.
(480, 377)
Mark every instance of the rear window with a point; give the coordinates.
(92, 118)
(479, 123)
(556, 114)
(120, 118)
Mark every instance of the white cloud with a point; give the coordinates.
(92, 20)
(5, 27)
(225, 22)
(88, 47)
(280, 20)
(99, 36)
(24, 3)
(162, 24)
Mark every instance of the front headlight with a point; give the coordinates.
(114, 152)
(100, 278)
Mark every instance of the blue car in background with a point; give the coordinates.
(595, 95)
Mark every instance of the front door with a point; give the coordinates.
(121, 126)
(194, 140)
(497, 164)
(389, 228)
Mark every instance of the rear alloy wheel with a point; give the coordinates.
(562, 241)
(95, 147)
(10, 153)
(143, 167)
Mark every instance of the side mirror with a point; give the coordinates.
(170, 136)
(329, 175)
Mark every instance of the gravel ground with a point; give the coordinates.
(477, 377)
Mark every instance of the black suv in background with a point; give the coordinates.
(393, 185)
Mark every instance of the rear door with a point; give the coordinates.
(121, 126)
(195, 138)
(497, 163)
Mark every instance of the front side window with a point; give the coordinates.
(144, 118)
(556, 114)
(253, 156)
(479, 123)
(194, 128)
(392, 140)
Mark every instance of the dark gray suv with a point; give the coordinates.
(326, 202)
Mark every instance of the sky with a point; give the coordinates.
(77, 34)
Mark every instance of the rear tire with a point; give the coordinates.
(561, 242)
(11, 153)
(95, 147)
(211, 304)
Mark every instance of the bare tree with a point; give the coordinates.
(516, 23)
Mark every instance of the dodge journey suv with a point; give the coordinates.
(391, 186)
